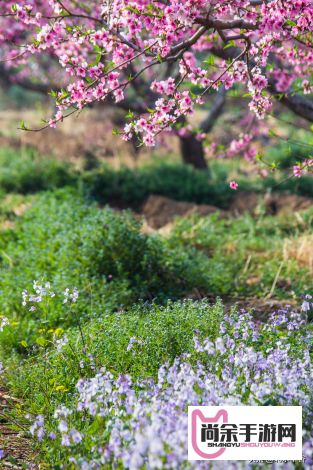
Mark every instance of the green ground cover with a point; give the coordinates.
(136, 308)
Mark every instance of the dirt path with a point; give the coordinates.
(15, 447)
(159, 211)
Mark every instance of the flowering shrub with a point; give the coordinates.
(153, 34)
(142, 423)
(163, 51)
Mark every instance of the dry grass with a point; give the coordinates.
(300, 249)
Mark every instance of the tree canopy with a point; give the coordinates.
(185, 50)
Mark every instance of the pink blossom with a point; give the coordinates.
(233, 185)
(200, 136)
(153, 52)
(297, 171)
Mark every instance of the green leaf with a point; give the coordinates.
(291, 23)
(41, 341)
(229, 44)
(210, 60)
(23, 126)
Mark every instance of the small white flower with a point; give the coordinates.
(133, 340)
(70, 296)
(60, 343)
(75, 436)
(219, 345)
(306, 306)
(3, 323)
(62, 426)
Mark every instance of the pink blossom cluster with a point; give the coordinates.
(242, 146)
(106, 49)
(303, 168)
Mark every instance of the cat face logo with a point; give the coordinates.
(197, 420)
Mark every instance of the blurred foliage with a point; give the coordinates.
(101, 252)
(177, 181)
(286, 155)
(16, 97)
(26, 172)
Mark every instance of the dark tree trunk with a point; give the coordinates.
(192, 152)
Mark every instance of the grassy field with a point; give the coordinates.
(119, 317)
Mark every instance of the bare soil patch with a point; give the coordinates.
(16, 447)
(160, 211)
(274, 203)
